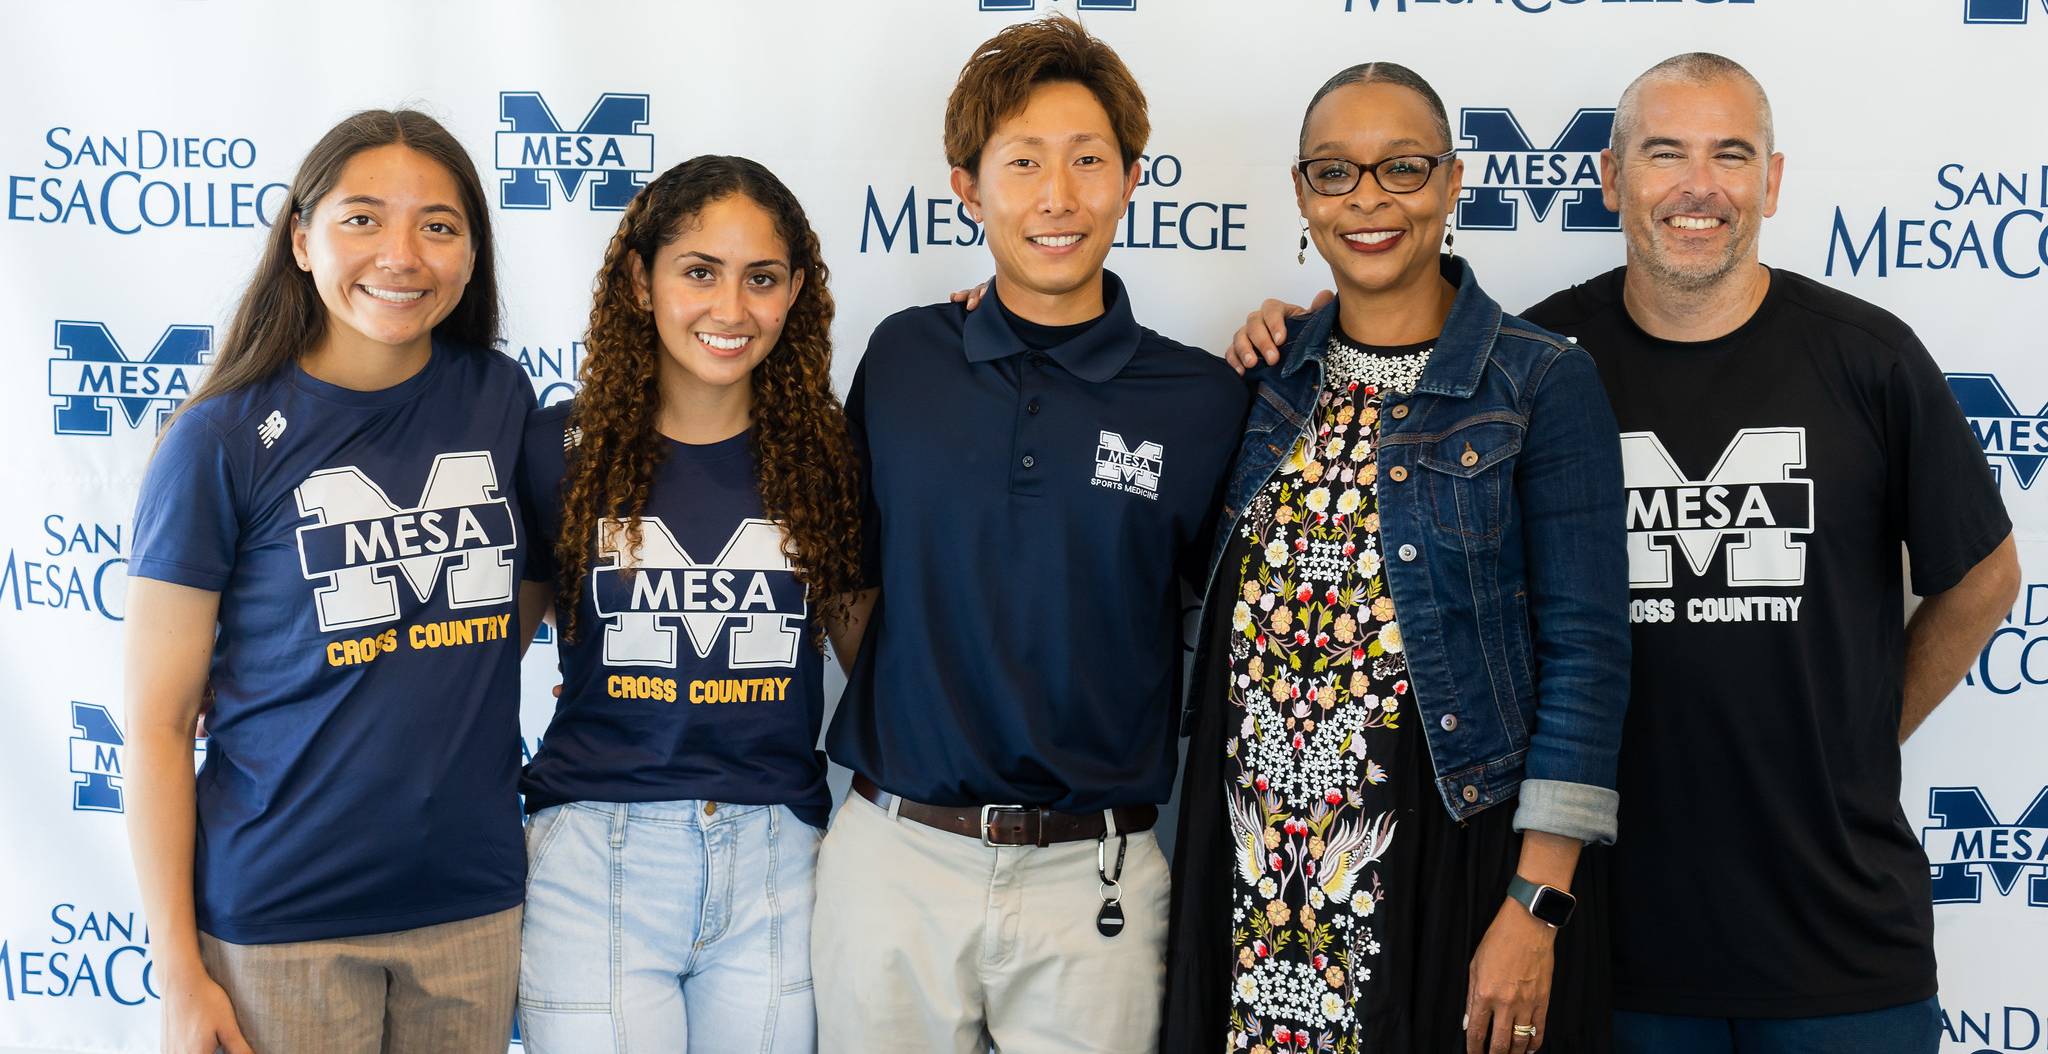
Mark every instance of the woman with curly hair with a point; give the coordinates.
(696, 521)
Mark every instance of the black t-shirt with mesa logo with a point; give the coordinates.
(1765, 867)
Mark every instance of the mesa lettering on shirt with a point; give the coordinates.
(1750, 506)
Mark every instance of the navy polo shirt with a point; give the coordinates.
(1031, 514)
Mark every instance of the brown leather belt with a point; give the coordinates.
(1011, 825)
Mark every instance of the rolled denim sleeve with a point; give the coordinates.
(1569, 487)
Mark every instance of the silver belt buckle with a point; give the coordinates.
(986, 819)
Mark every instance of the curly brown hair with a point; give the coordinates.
(804, 459)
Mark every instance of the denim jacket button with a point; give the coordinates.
(1399, 474)
(1400, 411)
(1470, 794)
(1450, 722)
(1469, 458)
(1407, 552)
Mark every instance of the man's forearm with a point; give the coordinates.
(1944, 635)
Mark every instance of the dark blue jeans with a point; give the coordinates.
(1911, 1029)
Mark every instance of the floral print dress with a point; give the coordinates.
(1356, 901)
(1318, 690)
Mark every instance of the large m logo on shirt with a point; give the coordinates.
(748, 588)
(1970, 838)
(461, 528)
(1749, 500)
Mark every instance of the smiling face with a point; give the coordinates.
(1050, 191)
(719, 292)
(1376, 241)
(389, 250)
(1694, 182)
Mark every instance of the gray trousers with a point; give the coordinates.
(443, 989)
(926, 942)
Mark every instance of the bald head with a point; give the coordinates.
(1692, 68)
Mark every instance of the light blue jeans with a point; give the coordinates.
(668, 926)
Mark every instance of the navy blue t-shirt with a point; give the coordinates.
(694, 671)
(1032, 514)
(362, 768)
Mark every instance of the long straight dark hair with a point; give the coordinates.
(281, 316)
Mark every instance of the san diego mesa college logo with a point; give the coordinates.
(460, 530)
(94, 376)
(1968, 841)
(95, 759)
(608, 156)
(748, 593)
(1502, 165)
(1133, 470)
(2015, 442)
(1998, 12)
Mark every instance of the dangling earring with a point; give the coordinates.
(1301, 254)
(1450, 238)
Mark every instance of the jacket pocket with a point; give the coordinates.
(1469, 472)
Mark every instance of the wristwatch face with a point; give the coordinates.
(1553, 906)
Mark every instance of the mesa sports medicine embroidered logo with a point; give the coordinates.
(1999, 12)
(2015, 442)
(95, 376)
(1505, 169)
(606, 157)
(1119, 466)
(1968, 841)
(361, 543)
(747, 594)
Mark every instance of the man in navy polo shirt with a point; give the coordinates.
(1042, 472)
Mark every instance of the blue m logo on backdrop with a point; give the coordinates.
(95, 759)
(1970, 840)
(94, 375)
(2006, 433)
(1501, 160)
(608, 151)
(1998, 12)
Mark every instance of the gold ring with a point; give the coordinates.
(1525, 1030)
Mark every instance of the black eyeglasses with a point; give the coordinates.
(1404, 174)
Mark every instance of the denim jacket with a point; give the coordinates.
(1500, 499)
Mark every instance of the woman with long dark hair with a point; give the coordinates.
(327, 540)
(696, 517)
(1415, 646)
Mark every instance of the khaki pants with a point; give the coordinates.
(926, 942)
(444, 989)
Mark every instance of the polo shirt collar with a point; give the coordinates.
(1095, 356)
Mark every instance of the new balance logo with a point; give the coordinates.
(2018, 440)
(1119, 467)
(1501, 160)
(1970, 840)
(1998, 12)
(95, 759)
(1750, 501)
(748, 595)
(460, 530)
(271, 428)
(94, 376)
(608, 151)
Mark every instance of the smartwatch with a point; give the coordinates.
(1549, 904)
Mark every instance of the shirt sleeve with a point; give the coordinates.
(187, 527)
(1943, 496)
(870, 510)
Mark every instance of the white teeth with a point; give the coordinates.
(1371, 237)
(394, 297)
(1057, 241)
(1694, 223)
(723, 343)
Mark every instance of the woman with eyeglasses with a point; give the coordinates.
(1414, 654)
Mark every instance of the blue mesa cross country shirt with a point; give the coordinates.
(694, 671)
(361, 772)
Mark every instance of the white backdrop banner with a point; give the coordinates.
(149, 146)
